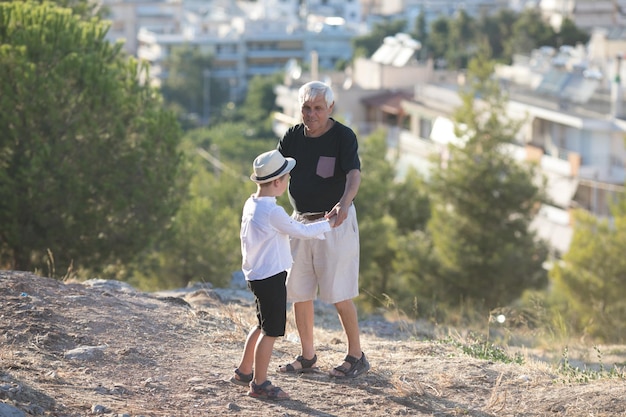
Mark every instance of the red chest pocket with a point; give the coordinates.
(326, 166)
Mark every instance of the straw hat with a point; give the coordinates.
(271, 165)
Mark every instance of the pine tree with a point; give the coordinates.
(482, 204)
(592, 275)
(89, 164)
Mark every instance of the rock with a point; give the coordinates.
(98, 409)
(238, 280)
(109, 284)
(233, 407)
(174, 300)
(7, 410)
(85, 353)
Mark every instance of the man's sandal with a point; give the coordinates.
(241, 379)
(357, 367)
(267, 391)
(306, 365)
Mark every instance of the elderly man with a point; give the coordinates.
(324, 182)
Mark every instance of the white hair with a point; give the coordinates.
(314, 89)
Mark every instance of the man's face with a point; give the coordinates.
(315, 114)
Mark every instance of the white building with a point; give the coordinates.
(574, 127)
(128, 17)
(435, 7)
(253, 39)
(586, 14)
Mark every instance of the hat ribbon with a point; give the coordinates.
(273, 173)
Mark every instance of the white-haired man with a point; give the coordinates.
(324, 183)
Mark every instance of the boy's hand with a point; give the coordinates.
(332, 219)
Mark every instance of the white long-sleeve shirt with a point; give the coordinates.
(265, 231)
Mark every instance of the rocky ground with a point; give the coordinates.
(103, 348)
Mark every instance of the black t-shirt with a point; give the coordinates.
(319, 178)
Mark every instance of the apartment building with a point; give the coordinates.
(435, 7)
(128, 17)
(574, 126)
(253, 39)
(586, 14)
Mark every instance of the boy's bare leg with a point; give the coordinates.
(262, 356)
(247, 358)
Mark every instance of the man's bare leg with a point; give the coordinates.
(350, 322)
(305, 316)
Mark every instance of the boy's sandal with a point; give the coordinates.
(357, 367)
(267, 391)
(241, 379)
(306, 365)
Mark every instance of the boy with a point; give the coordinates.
(265, 231)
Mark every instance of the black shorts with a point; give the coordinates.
(270, 297)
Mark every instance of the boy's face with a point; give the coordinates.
(283, 182)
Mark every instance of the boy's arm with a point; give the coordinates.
(287, 225)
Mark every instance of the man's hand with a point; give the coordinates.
(340, 214)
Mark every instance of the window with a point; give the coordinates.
(425, 127)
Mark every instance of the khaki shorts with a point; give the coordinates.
(330, 265)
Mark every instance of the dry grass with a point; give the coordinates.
(173, 356)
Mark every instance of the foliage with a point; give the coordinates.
(592, 285)
(439, 37)
(573, 374)
(409, 203)
(500, 36)
(420, 33)
(189, 86)
(378, 251)
(89, 163)
(414, 267)
(366, 45)
(237, 144)
(377, 176)
(496, 29)
(377, 229)
(570, 34)
(83, 8)
(202, 243)
(549, 321)
(461, 43)
(417, 276)
(482, 203)
(391, 215)
(260, 102)
(477, 347)
(529, 32)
